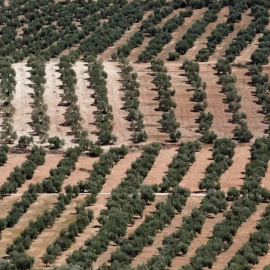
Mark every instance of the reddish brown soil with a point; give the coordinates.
(43, 171)
(85, 101)
(242, 236)
(160, 167)
(202, 40)
(221, 122)
(255, 118)
(115, 95)
(221, 48)
(152, 250)
(49, 235)
(196, 172)
(149, 103)
(244, 56)
(198, 241)
(81, 172)
(233, 177)
(37, 208)
(13, 161)
(180, 32)
(118, 172)
(183, 94)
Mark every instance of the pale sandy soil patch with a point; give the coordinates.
(115, 95)
(52, 97)
(85, 100)
(22, 101)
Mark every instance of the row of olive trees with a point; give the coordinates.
(162, 36)
(23, 172)
(7, 85)
(124, 203)
(223, 29)
(196, 30)
(233, 98)
(93, 185)
(255, 247)
(131, 88)
(144, 235)
(205, 120)
(162, 83)
(241, 209)
(64, 168)
(213, 203)
(261, 81)
(104, 116)
(245, 36)
(40, 119)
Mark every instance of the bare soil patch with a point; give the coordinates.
(222, 125)
(149, 103)
(22, 101)
(52, 97)
(115, 95)
(183, 97)
(85, 100)
(233, 177)
(196, 171)
(249, 102)
(81, 172)
(160, 166)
